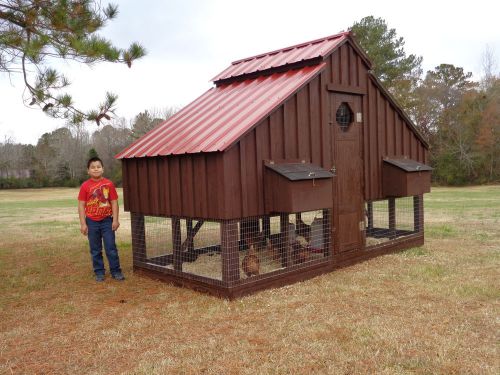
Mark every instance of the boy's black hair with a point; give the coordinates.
(91, 160)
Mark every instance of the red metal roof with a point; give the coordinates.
(286, 56)
(218, 118)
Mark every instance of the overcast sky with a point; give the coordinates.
(190, 41)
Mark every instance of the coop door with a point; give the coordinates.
(346, 121)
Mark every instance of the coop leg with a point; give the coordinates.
(190, 235)
(286, 253)
(418, 213)
(266, 226)
(326, 233)
(392, 218)
(230, 252)
(176, 235)
(138, 238)
(369, 214)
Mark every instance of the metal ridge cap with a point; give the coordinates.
(335, 36)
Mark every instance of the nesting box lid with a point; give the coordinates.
(408, 165)
(299, 171)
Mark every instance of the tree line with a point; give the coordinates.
(59, 157)
(459, 117)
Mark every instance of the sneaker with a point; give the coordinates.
(118, 276)
(99, 278)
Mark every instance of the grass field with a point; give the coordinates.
(428, 310)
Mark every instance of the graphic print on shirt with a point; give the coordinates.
(98, 204)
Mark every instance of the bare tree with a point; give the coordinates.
(489, 68)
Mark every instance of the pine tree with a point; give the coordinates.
(399, 73)
(33, 32)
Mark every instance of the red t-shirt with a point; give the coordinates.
(97, 196)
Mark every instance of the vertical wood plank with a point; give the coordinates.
(163, 183)
(233, 191)
(344, 65)
(175, 186)
(187, 185)
(125, 184)
(315, 121)
(290, 128)
(153, 185)
(142, 186)
(262, 153)
(250, 160)
(389, 131)
(276, 134)
(134, 204)
(374, 97)
(213, 186)
(303, 125)
(200, 186)
(325, 113)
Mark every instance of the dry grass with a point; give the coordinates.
(426, 310)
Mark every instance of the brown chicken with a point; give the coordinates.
(300, 254)
(251, 262)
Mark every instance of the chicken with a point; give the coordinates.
(300, 254)
(251, 262)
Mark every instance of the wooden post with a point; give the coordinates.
(138, 238)
(190, 235)
(266, 226)
(285, 251)
(418, 213)
(369, 214)
(392, 218)
(230, 252)
(176, 235)
(327, 243)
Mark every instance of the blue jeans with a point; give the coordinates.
(100, 231)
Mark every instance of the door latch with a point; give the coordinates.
(333, 170)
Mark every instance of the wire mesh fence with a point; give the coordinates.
(233, 250)
(390, 219)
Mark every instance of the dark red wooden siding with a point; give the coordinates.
(187, 185)
(229, 184)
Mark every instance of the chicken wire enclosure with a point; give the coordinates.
(231, 252)
(392, 219)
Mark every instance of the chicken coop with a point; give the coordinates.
(296, 162)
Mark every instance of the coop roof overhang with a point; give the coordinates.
(408, 165)
(218, 118)
(299, 171)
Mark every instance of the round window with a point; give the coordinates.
(344, 116)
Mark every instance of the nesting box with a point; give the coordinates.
(405, 177)
(296, 187)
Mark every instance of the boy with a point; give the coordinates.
(98, 211)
